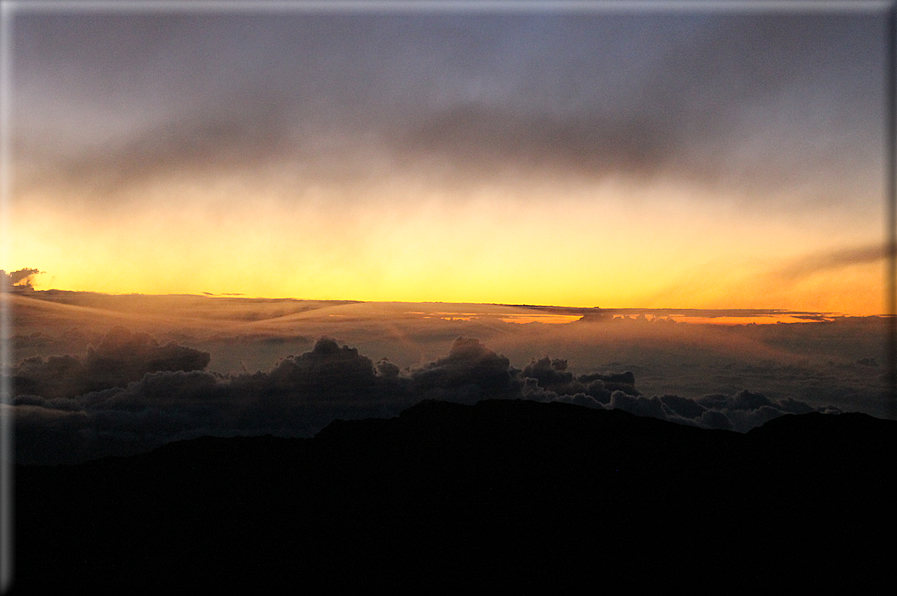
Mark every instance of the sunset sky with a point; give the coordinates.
(625, 158)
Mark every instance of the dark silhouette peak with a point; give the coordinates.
(447, 497)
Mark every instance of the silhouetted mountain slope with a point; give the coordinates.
(502, 494)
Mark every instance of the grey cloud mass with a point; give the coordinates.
(756, 101)
(826, 261)
(120, 358)
(21, 279)
(131, 394)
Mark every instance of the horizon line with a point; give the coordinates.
(715, 312)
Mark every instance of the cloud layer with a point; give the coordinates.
(130, 393)
(697, 95)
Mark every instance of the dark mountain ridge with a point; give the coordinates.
(502, 494)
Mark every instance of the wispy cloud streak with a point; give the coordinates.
(832, 260)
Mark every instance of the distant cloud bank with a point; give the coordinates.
(20, 280)
(130, 393)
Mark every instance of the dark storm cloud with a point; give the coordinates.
(551, 375)
(142, 96)
(548, 373)
(786, 97)
(120, 358)
(753, 100)
(304, 393)
(470, 372)
(327, 372)
(298, 397)
(486, 139)
(194, 145)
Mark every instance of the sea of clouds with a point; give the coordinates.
(131, 393)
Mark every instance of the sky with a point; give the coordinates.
(673, 163)
(622, 159)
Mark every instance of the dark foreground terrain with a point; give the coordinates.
(503, 494)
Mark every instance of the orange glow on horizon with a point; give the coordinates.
(599, 246)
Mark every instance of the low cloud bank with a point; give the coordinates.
(20, 281)
(130, 394)
(120, 358)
